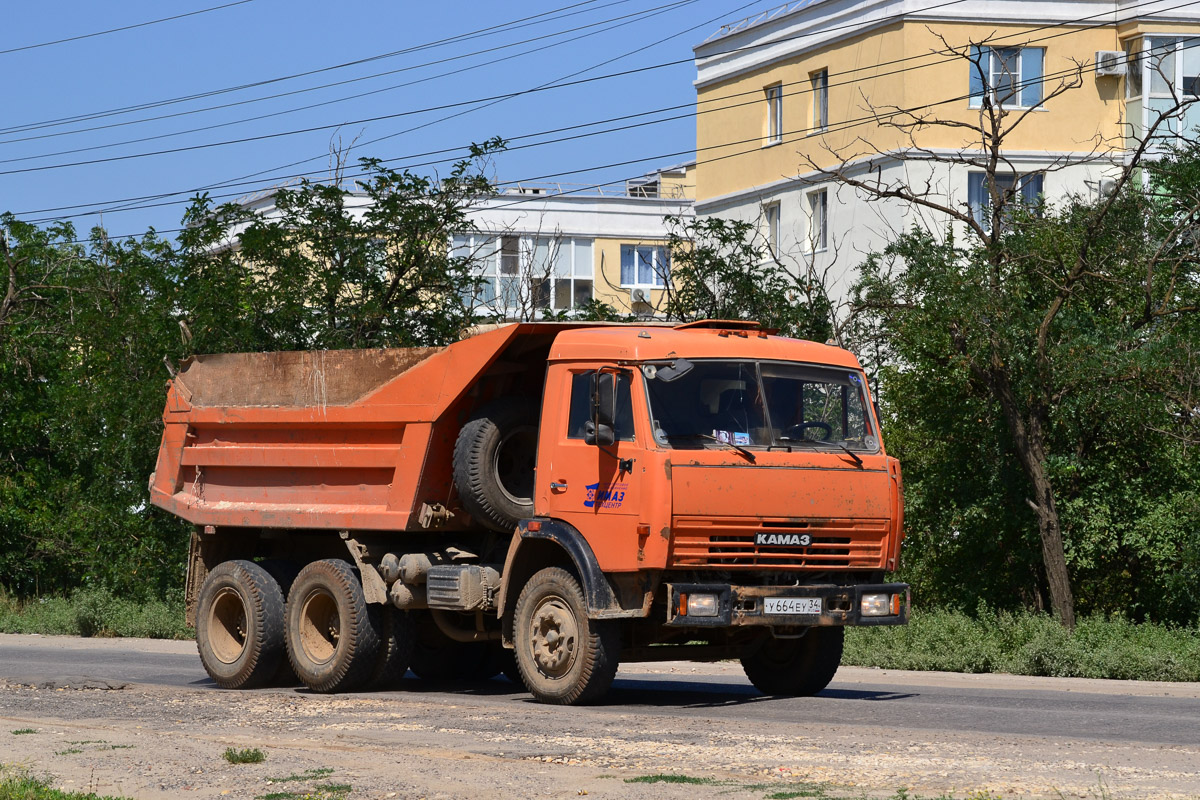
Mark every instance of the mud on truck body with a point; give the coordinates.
(544, 500)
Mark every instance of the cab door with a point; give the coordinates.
(595, 489)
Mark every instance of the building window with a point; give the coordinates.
(561, 272)
(644, 266)
(818, 220)
(1012, 189)
(1011, 76)
(820, 100)
(1163, 72)
(774, 113)
(523, 273)
(771, 217)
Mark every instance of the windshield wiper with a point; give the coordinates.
(817, 443)
(749, 456)
(850, 453)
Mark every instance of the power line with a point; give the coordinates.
(122, 28)
(502, 27)
(599, 122)
(628, 19)
(548, 85)
(755, 142)
(324, 86)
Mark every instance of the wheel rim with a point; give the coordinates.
(227, 631)
(554, 636)
(320, 627)
(513, 464)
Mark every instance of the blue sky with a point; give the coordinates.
(262, 40)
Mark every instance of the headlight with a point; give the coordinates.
(880, 605)
(702, 605)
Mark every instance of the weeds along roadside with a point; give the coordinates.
(948, 641)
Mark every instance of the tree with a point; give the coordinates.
(1062, 336)
(722, 269)
(333, 268)
(1041, 317)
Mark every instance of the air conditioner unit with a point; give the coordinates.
(1109, 63)
(639, 296)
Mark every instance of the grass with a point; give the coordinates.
(307, 775)
(23, 731)
(1029, 644)
(93, 612)
(249, 755)
(319, 791)
(20, 785)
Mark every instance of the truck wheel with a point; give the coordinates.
(564, 657)
(494, 458)
(239, 625)
(796, 667)
(397, 633)
(332, 634)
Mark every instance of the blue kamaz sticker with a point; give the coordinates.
(608, 497)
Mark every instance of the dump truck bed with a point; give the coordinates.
(345, 440)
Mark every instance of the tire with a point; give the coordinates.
(332, 634)
(796, 667)
(396, 636)
(494, 459)
(240, 625)
(564, 657)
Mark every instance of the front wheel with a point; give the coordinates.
(332, 634)
(795, 667)
(563, 657)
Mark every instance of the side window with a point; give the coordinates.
(581, 406)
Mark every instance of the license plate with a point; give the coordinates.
(792, 605)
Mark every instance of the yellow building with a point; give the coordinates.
(785, 97)
(555, 247)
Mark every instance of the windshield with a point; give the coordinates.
(751, 403)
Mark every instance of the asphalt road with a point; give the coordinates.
(1053, 708)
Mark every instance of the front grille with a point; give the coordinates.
(729, 544)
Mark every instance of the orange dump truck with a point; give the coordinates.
(544, 500)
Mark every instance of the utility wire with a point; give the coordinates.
(122, 28)
(625, 20)
(344, 98)
(858, 25)
(755, 143)
(502, 27)
(569, 138)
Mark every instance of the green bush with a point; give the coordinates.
(248, 755)
(93, 612)
(1029, 644)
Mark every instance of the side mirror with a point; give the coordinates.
(599, 429)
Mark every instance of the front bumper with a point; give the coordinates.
(746, 605)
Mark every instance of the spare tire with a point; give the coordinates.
(494, 459)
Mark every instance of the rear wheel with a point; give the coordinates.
(240, 625)
(332, 633)
(564, 657)
(796, 667)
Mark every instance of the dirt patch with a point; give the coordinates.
(490, 741)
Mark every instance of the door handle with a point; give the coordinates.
(555, 486)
